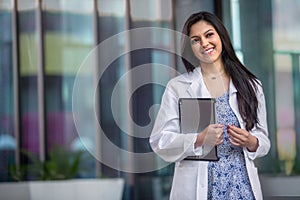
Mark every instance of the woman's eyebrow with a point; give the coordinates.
(203, 33)
(208, 30)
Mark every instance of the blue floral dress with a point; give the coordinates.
(228, 177)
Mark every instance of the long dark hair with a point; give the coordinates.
(244, 81)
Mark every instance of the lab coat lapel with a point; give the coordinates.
(192, 89)
(232, 88)
(197, 86)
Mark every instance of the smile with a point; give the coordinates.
(208, 51)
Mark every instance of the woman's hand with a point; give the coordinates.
(242, 138)
(212, 135)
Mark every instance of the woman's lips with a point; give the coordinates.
(208, 51)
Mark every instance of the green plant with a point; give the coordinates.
(61, 164)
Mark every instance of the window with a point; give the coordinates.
(7, 136)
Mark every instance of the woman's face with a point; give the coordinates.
(205, 42)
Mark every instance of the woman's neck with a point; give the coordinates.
(209, 69)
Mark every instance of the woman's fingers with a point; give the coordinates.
(237, 137)
(214, 134)
(242, 138)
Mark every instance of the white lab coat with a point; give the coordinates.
(190, 177)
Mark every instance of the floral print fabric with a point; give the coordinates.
(228, 178)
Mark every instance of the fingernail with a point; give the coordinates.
(228, 126)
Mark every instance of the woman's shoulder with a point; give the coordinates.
(184, 78)
(178, 84)
(258, 86)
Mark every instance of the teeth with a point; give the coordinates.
(208, 51)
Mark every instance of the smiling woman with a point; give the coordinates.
(206, 45)
(240, 132)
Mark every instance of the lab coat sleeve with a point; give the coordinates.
(166, 139)
(260, 131)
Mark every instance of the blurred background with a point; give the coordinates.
(44, 42)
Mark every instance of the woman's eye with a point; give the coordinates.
(194, 41)
(209, 34)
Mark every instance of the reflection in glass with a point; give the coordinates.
(236, 28)
(111, 8)
(28, 77)
(111, 21)
(68, 37)
(287, 52)
(156, 10)
(285, 113)
(7, 140)
(158, 14)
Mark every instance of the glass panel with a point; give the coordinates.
(7, 137)
(28, 78)
(68, 37)
(157, 67)
(276, 41)
(111, 8)
(286, 34)
(111, 22)
(287, 53)
(285, 113)
(236, 31)
(257, 57)
(156, 10)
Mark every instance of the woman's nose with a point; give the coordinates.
(204, 43)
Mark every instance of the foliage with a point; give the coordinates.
(61, 164)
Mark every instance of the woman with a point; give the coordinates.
(241, 134)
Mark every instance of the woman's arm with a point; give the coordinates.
(242, 138)
(210, 136)
(256, 141)
(166, 139)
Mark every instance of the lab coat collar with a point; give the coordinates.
(232, 88)
(197, 86)
(194, 84)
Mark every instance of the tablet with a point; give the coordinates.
(195, 114)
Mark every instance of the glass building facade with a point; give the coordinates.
(48, 99)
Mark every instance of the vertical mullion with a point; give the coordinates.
(16, 77)
(218, 8)
(97, 95)
(40, 82)
(296, 81)
(173, 44)
(127, 58)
